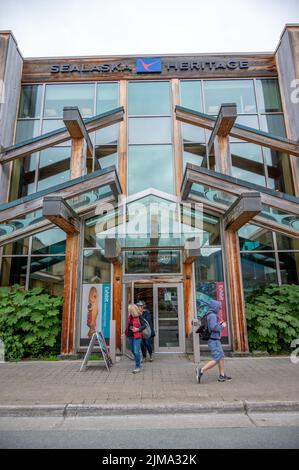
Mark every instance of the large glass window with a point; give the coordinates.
(289, 268)
(268, 96)
(258, 270)
(149, 98)
(59, 96)
(143, 163)
(240, 92)
(47, 272)
(13, 271)
(191, 94)
(96, 268)
(30, 101)
(153, 262)
(107, 97)
(255, 238)
(151, 130)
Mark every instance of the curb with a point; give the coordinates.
(73, 410)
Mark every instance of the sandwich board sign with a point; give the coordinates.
(97, 339)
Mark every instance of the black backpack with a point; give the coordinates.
(203, 329)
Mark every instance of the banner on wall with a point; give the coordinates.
(207, 291)
(96, 310)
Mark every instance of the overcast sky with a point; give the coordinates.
(102, 27)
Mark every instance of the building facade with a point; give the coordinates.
(169, 179)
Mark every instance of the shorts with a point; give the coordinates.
(215, 348)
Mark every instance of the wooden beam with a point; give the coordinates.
(75, 125)
(59, 136)
(177, 138)
(60, 213)
(224, 122)
(239, 131)
(247, 206)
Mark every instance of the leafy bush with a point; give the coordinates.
(30, 322)
(272, 315)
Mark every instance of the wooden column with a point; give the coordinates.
(188, 298)
(77, 168)
(177, 138)
(123, 145)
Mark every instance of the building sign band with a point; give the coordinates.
(152, 65)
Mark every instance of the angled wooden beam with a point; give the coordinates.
(75, 125)
(60, 213)
(247, 206)
(112, 251)
(239, 131)
(59, 136)
(224, 122)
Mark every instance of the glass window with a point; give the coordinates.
(53, 155)
(54, 167)
(274, 124)
(149, 98)
(191, 95)
(249, 176)
(258, 270)
(268, 96)
(193, 153)
(51, 242)
(287, 243)
(26, 130)
(254, 238)
(47, 272)
(156, 261)
(106, 156)
(59, 96)
(289, 268)
(23, 177)
(150, 130)
(107, 135)
(279, 171)
(96, 268)
(248, 121)
(209, 284)
(247, 160)
(250, 152)
(30, 101)
(143, 164)
(192, 133)
(13, 271)
(19, 247)
(240, 92)
(50, 125)
(107, 97)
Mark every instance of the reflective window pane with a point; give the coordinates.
(143, 163)
(279, 171)
(249, 176)
(268, 96)
(96, 268)
(194, 154)
(258, 270)
(13, 271)
(157, 261)
(50, 125)
(274, 124)
(192, 133)
(287, 243)
(107, 135)
(289, 268)
(106, 156)
(150, 130)
(26, 130)
(191, 96)
(19, 247)
(107, 97)
(254, 238)
(23, 177)
(248, 121)
(47, 272)
(53, 167)
(149, 98)
(30, 101)
(59, 96)
(51, 242)
(247, 160)
(240, 92)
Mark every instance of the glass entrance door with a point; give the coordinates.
(168, 318)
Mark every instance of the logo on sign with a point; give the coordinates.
(148, 65)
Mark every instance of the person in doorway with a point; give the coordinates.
(214, 344)
(146, 344)
(135, 325)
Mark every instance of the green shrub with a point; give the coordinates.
(30, 322)
(272, 315)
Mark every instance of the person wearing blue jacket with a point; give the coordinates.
(214, 343)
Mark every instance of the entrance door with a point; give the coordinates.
(168, 318)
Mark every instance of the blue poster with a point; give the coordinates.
(106, 309)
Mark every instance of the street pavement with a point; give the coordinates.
(166, 385)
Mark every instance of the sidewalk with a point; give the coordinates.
(166, 384)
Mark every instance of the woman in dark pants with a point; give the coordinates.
(146, 344)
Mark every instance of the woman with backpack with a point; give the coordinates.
(135, 326)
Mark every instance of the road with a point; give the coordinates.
(188, 431)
